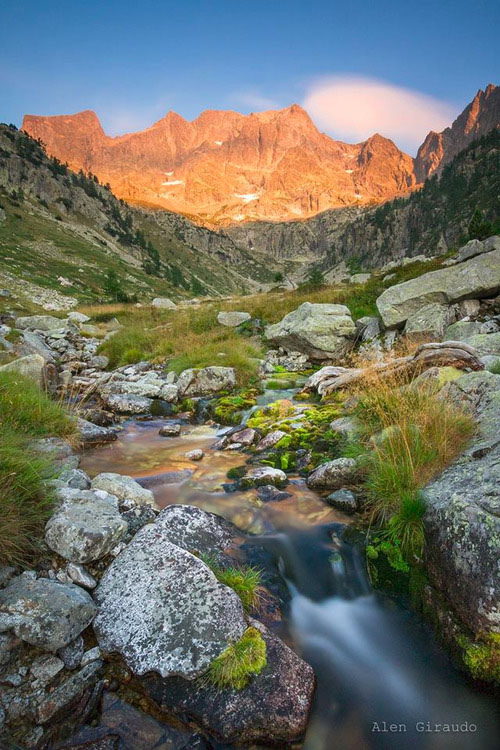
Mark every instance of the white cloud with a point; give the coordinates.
(352, 108)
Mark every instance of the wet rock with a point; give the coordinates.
(127, 403)
(195, 455)
(72, 654)
(320, 331)
(343, 500)
(68, 692)
(125, 488)
(170, 429)
(195, 530)
(272, 710)
(80, 576)
(162, 608)
(269, 440)
(264, 475)
(268, 493)
(86, 526)
(206, 381)
(45, 613)
(477, 277)
(333, 474)
(93, 434)
(232, 319)
(244, 437)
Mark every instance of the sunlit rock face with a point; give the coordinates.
(224, 167)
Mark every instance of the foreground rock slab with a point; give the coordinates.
(272, 709)
(45, 613)
(163, 610)
(125, 488)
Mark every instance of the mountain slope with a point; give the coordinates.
(224, 167)
(432, 220)
(477, 119)
(62, 232)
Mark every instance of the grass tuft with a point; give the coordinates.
(245, 580)
(26, 409)
(235, 667)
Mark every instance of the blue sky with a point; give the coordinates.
(133, 61)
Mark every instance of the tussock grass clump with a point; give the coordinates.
(236, 666)
(408, 436)
(245, 580)
(25, 498)
(26, 409)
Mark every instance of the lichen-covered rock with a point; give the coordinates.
(206, 381)
(32, 366)
(124, 488)
(39, 322)
(232, 319)
(128, 403)
(477, 277)
(86, 527)
(264, 475)
(45, 613)
(194, 529)
(93, 434)
(164, 302)
(163, 610)
(272, 710)
(430, 321)
(333, 475)
(462, 521)
(320, 331)
(149, 384)
(343, 500)
(170, 429)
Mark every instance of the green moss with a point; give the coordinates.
(235, 667)
(229, 410)
(482, 656)
(13, 336)
(236, 472)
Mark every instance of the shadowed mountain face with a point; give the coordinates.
(225, 167)
(479, 117)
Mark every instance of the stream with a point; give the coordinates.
(376, 663)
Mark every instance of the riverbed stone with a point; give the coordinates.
(244, 437)
(93, 434)
(170, 429)
(232, 319)
(272, 710)
(343, 500)
(162, 608)
(320, 331)
(206, 381)
(125, 488)
(270, 440)
(86, 527)
(128, 403)
(45, 613)
(264, 475)
(195, 455)
(475, 278)
(333, 474)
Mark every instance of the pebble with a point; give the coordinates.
(78, 574)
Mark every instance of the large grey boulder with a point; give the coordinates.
(125, 488)
(272, 710)
(462, 521)
(45, 613)
(86, 527)
(128, 403)
(232, 319)
(164, 303)
(39, 322)
(163, 609)
(430, 321)
(94, 434)
(206, 381)
(476, 247)
(320, 331)
(333, 475)
(32, 366)
(477, 277)
(150, 385)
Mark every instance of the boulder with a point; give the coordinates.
(163, 609)
(31, 366)
(128, 403)
(343, 500)
(45, 613)
(475, 278)
(170, 429)
(39, 323)
(195, 455)
(164, 303)
(320, 331)
(93, 434)
(232, 319)
(265, 475)
(195, 530)
(462, 330)
(430, 321)
(486, 344)
(206, 381)
(476, 247)
(270, 440)
(150, 384)
(124, 488)
(333, 474)
(272, 710)
(462, 520)
(244, 437)
(78, 317)
(86, 527)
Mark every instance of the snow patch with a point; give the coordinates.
(358, 195)
(173, 182)
(239, 217)
(296, 211)
(218, 143)
(247, 197)
(169, 174)
(349, 171)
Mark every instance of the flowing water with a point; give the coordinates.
(377, 665)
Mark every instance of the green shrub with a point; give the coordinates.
(236, 666)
